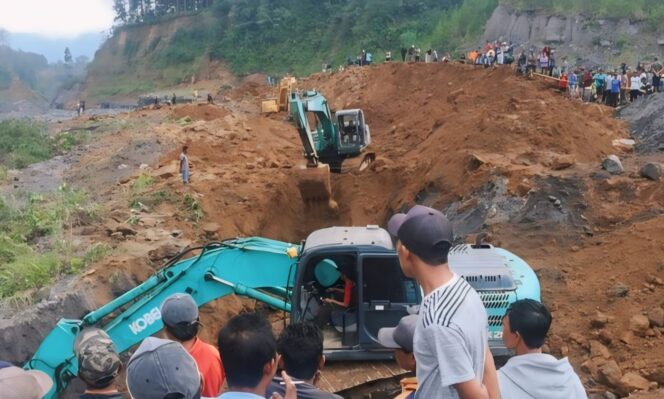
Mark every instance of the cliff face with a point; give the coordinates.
(590, 40)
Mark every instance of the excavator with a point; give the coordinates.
(294, 278)
(332, 142)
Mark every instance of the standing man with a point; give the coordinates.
(179, 313)
(98, 364)
(656, 69)
(403, 54)
(531, 373)
(451, 338)
(184, 164)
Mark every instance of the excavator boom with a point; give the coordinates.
(258, 268)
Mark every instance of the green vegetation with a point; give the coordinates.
(24, 142)
(192, 207)
(46, 219)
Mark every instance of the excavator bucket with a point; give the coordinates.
(315, 186)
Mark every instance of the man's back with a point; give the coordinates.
(539, 375)
(450, 339)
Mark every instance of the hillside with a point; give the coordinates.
(276, 37)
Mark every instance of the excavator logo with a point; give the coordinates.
(145, 321)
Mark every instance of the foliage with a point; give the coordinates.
(192, 207)
(43, 218)
(24, 142)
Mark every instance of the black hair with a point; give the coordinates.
(183, 331)
(101, 383)
(301, 348)
(531, 319)
(246, 344)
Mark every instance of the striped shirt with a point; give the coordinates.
(450, 339)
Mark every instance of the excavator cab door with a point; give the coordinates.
(352, 138)
(385, 296)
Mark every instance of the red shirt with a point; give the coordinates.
(209, 365)
(348, 292)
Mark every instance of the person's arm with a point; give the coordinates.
(472, 389)
(490, 380)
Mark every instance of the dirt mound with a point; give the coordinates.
(200, 111)
(645, 120)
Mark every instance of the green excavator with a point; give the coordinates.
(294, 278)
(332, 142)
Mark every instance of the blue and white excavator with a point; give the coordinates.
(294, 278)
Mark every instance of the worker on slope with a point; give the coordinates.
(531, 373)
(179, 312)
(184, 164)
(401, 338)
(98, 364)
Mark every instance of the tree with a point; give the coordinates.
(120, 9)
(68, 57)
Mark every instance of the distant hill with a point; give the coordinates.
(54, 48)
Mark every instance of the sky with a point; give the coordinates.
(61, 19)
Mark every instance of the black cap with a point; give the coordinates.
(425, 231)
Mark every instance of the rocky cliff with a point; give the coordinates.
(588, 39)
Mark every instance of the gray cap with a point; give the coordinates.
(401, 336)
(16, 383)
(160, 367)
(98, 360)
(425, 231)
(179, 308)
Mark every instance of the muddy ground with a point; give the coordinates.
(499, 154)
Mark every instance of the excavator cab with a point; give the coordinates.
(381, 295)
(354, 134)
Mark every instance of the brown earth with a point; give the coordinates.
(499, 154)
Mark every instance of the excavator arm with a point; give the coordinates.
(257, 268)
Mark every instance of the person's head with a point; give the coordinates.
(301, 348)
(525, 325)
(401, 339)
(185, 148)
(179, 313)
(16, 383)
(249, 350)
(162, 369)
(424, 238)
(98, 361)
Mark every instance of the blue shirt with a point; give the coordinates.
(369, 57)
(615, 86)
(572, 79)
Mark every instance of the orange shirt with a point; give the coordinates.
(210, 366)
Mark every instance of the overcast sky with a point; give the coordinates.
(56, 18)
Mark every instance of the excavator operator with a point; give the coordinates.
(342, 297)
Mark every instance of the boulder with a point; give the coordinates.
(599, 320)
(599, 350)
(606, 337)
(125, 230)
(639, 324)
(613, 165)
(631, 382)
(610, 373)
(618, 290)
(210, 228)
(562, 162)
(624, 144)
(165, 251)
(652, 171)
(656, 317)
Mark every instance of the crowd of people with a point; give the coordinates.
(445, 345)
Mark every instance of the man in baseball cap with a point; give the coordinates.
(451, 338)
(161, 369)
(16, 383)
(401, 339)
(98, 364)
(179, 313)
